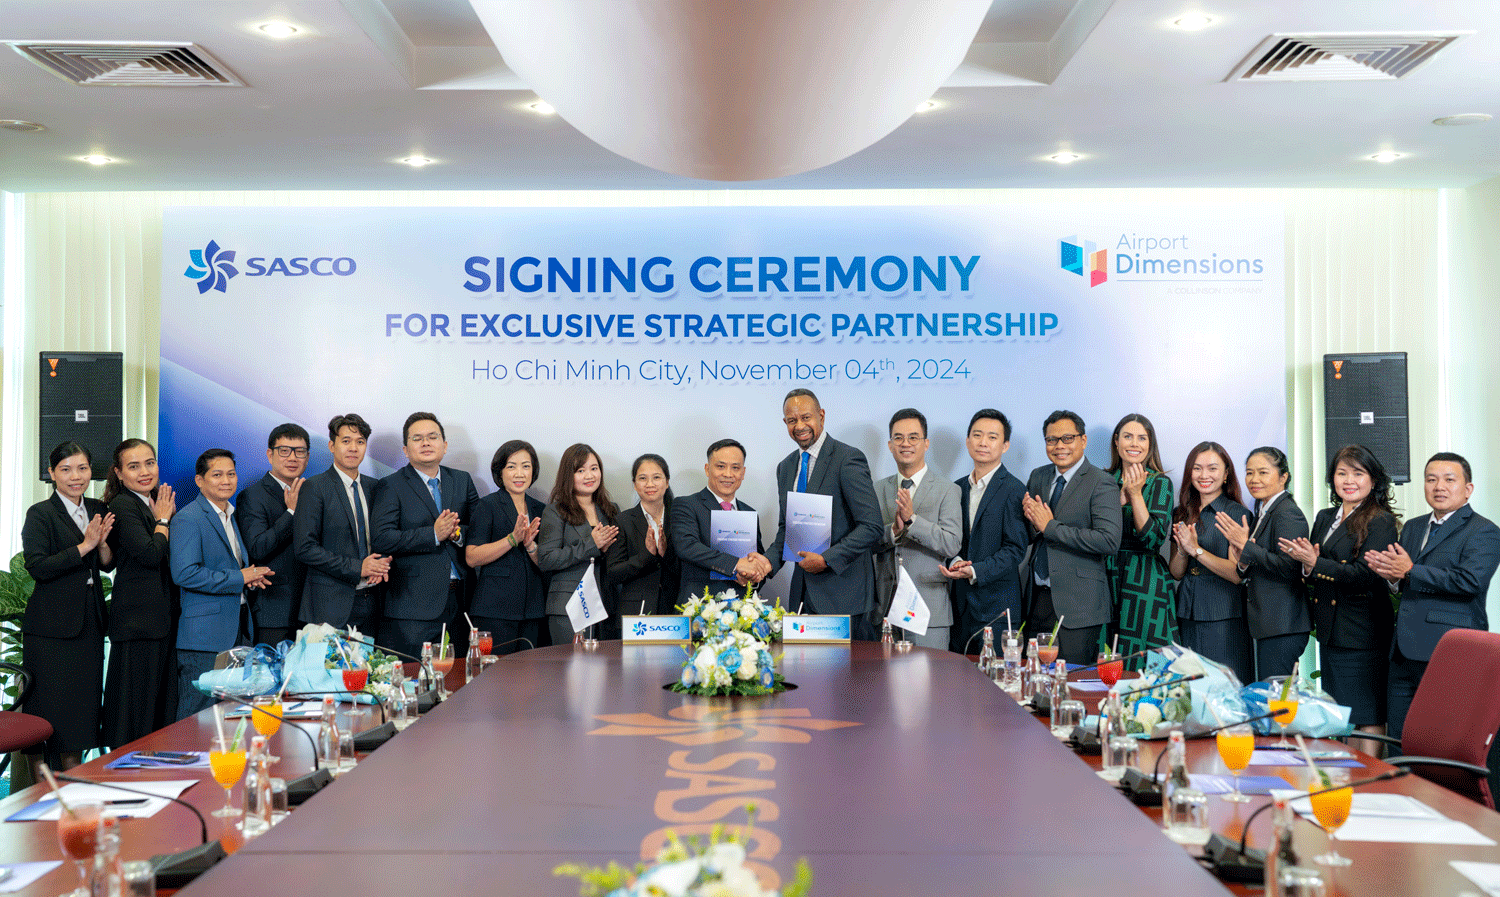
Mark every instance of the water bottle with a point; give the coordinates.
(257, 818)
(403, 706)
(474, 660)
(426, 675)
(885, 632)
(1184, 808)
(108, 871)
(1279, 855)
(328, 736)
(987, 651)
(1033, 671)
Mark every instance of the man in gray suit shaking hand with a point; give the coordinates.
(1073, 512)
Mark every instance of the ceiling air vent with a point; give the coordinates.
(128, 64)
(1341, 57)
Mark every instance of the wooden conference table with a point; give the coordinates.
(892, 773)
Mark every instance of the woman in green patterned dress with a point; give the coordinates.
(1140, 583)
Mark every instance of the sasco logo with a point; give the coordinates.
(1076, 254)
(639, 628)
(211, 267)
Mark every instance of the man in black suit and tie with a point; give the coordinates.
(840, 580)
(994, 535)
(420, 512)
(1074, 511)
(691, 534)
(331, 535)
(264, 513)
(1442, 567)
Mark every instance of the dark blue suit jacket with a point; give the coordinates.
(688, 527)
(848, 585)
(1446, 588)
(260, 513)
(402, 520)
(995, 545)
(510, 587)
(326, 543)
(208, 575)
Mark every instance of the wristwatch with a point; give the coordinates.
(1199, 552)
(162, 521)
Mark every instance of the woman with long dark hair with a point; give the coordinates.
(1210, 599)
(1276, 608)
(510, 595)
(65, 545)
(138, 687)
(642, 564)
(1351, 603)
(1138, 577)
(578, 526)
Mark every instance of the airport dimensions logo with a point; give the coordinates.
(212, 267)
(1075, 254)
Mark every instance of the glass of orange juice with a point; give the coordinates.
(227, 766)
(1236, 744)
(266, 717)
(1332, 810)
(1275, 703)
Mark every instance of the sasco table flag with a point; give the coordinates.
(586, 607)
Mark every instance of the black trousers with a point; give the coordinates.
(1075, 645)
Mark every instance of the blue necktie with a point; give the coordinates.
(435, 486)
(802, 472)
(1043, 570)
(359, 523)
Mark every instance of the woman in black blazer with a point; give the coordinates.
(1351, 603)
(642, 564)
(62, 641)
(1210, 599)
(142, 604)
(578, 526)
(1276, 607)
(510, 593)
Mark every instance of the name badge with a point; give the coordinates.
(817, 629)
(665, 630)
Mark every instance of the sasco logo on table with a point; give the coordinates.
(640, 628)
(212, 267)
(1075, 253)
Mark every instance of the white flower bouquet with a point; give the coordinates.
(730, 652)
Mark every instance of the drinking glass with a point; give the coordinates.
(1111, 668)
(280, 802)
(442, 664)
(78, 837)
(356, 677)
(1332, 811)
(1069, 716)
(227, 766)
(1236, 744)
(486, 643)
(1047, 654)
(346, 750)
(1275, 703)
(1187, 817)
(1121, 752)
(265, 716)
(1299, 881)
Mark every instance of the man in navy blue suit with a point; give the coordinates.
(689, 526)
(264, 514)
(841, 579)
(994, 534)
(332, 535)
(1442, 567)
(212, 568)
(420, 512)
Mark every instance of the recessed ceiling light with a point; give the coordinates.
(1465, 118)
(16, 124)
(96, 159)
(541, 107)
(927, 106)
(278, 30)
(1064, 158)
(1386, 157)
(416, 161)
(1192, 21)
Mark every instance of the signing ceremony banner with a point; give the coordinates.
(663, 329)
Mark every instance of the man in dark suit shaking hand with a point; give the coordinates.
(419, 514)
(1442, 567)
(264, 513)
(840, 580)
(1074, 511)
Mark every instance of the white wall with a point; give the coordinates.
(1367, 272)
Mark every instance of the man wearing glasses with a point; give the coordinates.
(264, 513)
(1073, 512)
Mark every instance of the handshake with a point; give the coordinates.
(753, 567)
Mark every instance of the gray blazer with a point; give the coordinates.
(564, 550)
(934, 536)
(1084, 531)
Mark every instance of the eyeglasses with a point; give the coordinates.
(286, 451)
(1061, 440)
(911, 439)
(425, 439)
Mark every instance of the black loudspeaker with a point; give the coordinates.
(1364, 402)
(81, 398)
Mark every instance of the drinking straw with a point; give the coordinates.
(1114, 645)
(471, 622)
(1053, 640)
(219, 724)
(1307, 755)
(56, 791)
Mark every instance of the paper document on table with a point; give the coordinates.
(1395, 819)
(1486, 875)
(1339, 759)
(23, 874)
(116, 802)
(1088, 685)
(809, 524)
